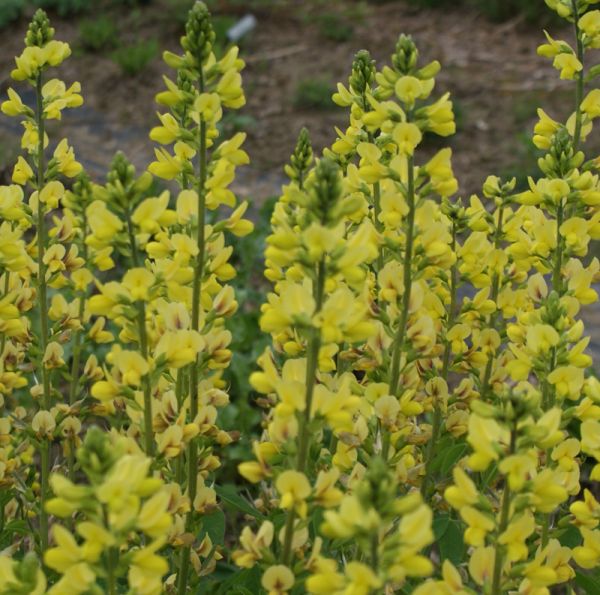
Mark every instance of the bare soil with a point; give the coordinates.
(495, 77)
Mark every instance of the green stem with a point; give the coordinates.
(505, 511)
(195, 371)
(6, 289)
(304, 432)
(43, 297)
(45, 462)
(437, 410)
(148, 433)
(378, 225)
(494, 297)
(556, 273)
(408, 255)
(143, 339)
(580, 77)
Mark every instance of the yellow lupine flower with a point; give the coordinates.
(515, 536)
(479, 525)
(588, 554)
(407, 136)
(463, 492)
(568, 381)
(278, 580)
(22, 172)
(138, 282)
(65, 155)
(294, 489)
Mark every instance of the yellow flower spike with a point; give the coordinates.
(277, 580)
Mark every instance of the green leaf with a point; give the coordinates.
(213, 525)
(452, 456)
(451, 544)
(589, 583)
(570, 537)
(441, 450)
(243, 582)
(440, 525)
(229, 495)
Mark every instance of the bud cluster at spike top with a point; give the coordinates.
(430, 416)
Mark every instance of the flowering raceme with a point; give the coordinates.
(430, 416)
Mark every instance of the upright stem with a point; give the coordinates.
(556, 273)
(504, 513)
(494, 297)
(312, 360)
(376, 213)
(195, 368)
(437, 410)
(43, 297)
(77, 347)
(148, 434)
(6, 290)
(401, 330)
(143, 338)
(580, 77)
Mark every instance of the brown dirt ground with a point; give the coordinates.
(492, 71)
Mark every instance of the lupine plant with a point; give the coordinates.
(430, 415)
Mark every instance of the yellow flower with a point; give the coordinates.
(515, 536)
(66, 553)
(132, 367)
(479, 525)
(463, 492)
(153, 518)
(568, 381)
(65, 156)
(407, 136)
(294, 489)
(138, 282)
(481, 565)
(14, 106)
(22, 172)
(278, 580)
(588, 554)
